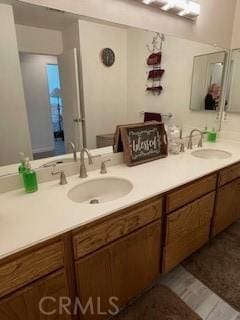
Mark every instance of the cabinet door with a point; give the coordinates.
(227, 207)
(187, 230)
(24, 304)
(121, 270)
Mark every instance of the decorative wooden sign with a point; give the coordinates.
(141, 142)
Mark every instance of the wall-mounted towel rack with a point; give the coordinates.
(164, 115)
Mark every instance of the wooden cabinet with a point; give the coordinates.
(24, 303)
(122, 270)
(187, 229)
(227, 207)
(112, 260)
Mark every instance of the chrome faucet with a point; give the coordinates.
(200, 143)
(83, 170)
(74, 151)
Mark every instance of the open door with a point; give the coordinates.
(72, 120)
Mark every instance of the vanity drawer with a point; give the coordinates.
(229, 174)
(98, 235)
(29, 267)
(190, 192)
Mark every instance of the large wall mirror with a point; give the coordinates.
(81, 78)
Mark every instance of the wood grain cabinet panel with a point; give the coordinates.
(176, 252)
(190, 192)
(122, 270)
(24, 304)
(100, 234)
(187, 229)
(227, 207)
(29, 267)
(191, 217)
(229, 174)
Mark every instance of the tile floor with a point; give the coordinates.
(198, 297)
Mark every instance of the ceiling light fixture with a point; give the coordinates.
(184, 8)
(175, 5)
(147, 1)
(192, 10)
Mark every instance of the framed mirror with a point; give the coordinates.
(69, 95)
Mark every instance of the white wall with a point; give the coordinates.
(233, 119)
(234, 94)
(70, 37)
(39, 40)
(14, 131)
(236, 35)
(213, 26)
(105, 89)
(72, 85)
(37, 99)
(177, 60)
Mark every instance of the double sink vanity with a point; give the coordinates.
(112, 235)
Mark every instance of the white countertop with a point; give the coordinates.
(28, 219)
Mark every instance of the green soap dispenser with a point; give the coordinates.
(22, 166)
(212, 135)
(30, 178)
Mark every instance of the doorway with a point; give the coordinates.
(56, 107)
(41, 80)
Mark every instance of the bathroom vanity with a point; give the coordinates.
(114, 249)
(56, 242)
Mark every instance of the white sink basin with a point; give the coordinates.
(211, 154)
(101, 190)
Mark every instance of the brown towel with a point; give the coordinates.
(150, 116)
(154, 58)
(156, 74)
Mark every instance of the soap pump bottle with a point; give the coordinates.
(212, 135)
(29, 178)
(22, 166)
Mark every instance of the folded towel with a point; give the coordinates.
(150, 116)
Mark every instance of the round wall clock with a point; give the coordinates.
(107, 57)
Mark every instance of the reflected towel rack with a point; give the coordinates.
(166, 115)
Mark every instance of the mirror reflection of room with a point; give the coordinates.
(82, 78)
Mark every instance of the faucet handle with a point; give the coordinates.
(200, 143)
(182, 146)
(63, 178)
(103, 166)
(190, 145)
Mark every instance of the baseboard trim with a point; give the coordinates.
(41, 150)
